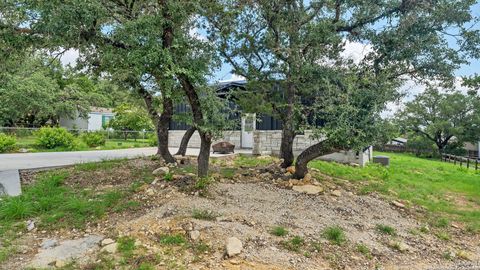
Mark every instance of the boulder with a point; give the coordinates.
(291, 169)
(111, 248)
(308, 189)
(161, 171)
(234, 246)
(223, 148)
(194, 235)
(337, 193)
(107, 241)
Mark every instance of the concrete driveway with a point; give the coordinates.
(54, 159)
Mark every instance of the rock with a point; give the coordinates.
(308, 189)
(150, 192)
(30, 225)
(307, 178)
(60, 263)
(337, 193)
(112, 248)
(66, 251)
(107, 241)
(161, 171)
(234, 246)
(23, 150)
(398, 204)
(291, 169)
(49, 243)
(194, 235)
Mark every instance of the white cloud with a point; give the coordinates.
(233, 78)
(356, 51)
(70, 57)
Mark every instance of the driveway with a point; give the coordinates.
(54, 159)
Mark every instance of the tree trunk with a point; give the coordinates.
(314, 151)
(204, 155)
(205, 137)
(288, 129)
(162, 130)
(286, 147)
(185, 139)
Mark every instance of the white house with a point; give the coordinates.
(96, 119)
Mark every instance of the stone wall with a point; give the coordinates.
(175, 138)
(267, 142)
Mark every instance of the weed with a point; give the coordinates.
(200, 248)
(175, 239)
(203, 183)
(203, 214)
(168, 177)
(315, 246)
(424, 229)
(385, 229)
(362, 248)
(228, 172)
(126, 246)
(443, 235)
(442, 223)
(294, 244)
(335, 235)
(279, 231)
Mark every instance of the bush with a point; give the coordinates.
(7, 143)
(93, 139)
(50, 138)
(152, 140)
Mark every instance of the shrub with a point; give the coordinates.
(279, 231)
(152, 140)
(7, 143)
(50, 138)
(93, 139)
(385, 229)
(335, 234)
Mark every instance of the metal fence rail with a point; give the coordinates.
(21, 132)
(462, 161)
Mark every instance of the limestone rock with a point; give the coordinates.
(337, 193)
(30, 225)
(107, 241)
(307, 178)
(194, 235)
(161, 171)
(234, 246)
(60, 263)
(49, 243)
(308, 189)
(112, 248)
(66, 251)
(291, 169)
(398, 204)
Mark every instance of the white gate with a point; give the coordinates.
(248, 126)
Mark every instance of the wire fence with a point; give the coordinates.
(461, 161)
(110, 134)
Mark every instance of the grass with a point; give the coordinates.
(294, 243)
(246, 161)
(203, 214)
(385, 229)
(279, 231)
(126, 246)
(445, 190)
(335, 235)
(172, 240)
(363, 249)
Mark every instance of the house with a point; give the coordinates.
(259, 132)
(96, 119)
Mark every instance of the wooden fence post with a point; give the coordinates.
(468, 162)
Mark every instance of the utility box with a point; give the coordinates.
(384, 160)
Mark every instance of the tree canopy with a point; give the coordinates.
(443, 117)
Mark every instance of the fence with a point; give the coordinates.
(110, 134)
(462, 161)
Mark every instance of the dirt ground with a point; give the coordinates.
(247, 205)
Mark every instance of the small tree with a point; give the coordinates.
(128, 118)
(443, 117)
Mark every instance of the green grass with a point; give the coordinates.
(251, 161)
(126, 246)
(385, 229)
(294, 244)
(363, 249)
(279, 231)
(432, 184)
(172, 240)
(335, 235)
(203, 214)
